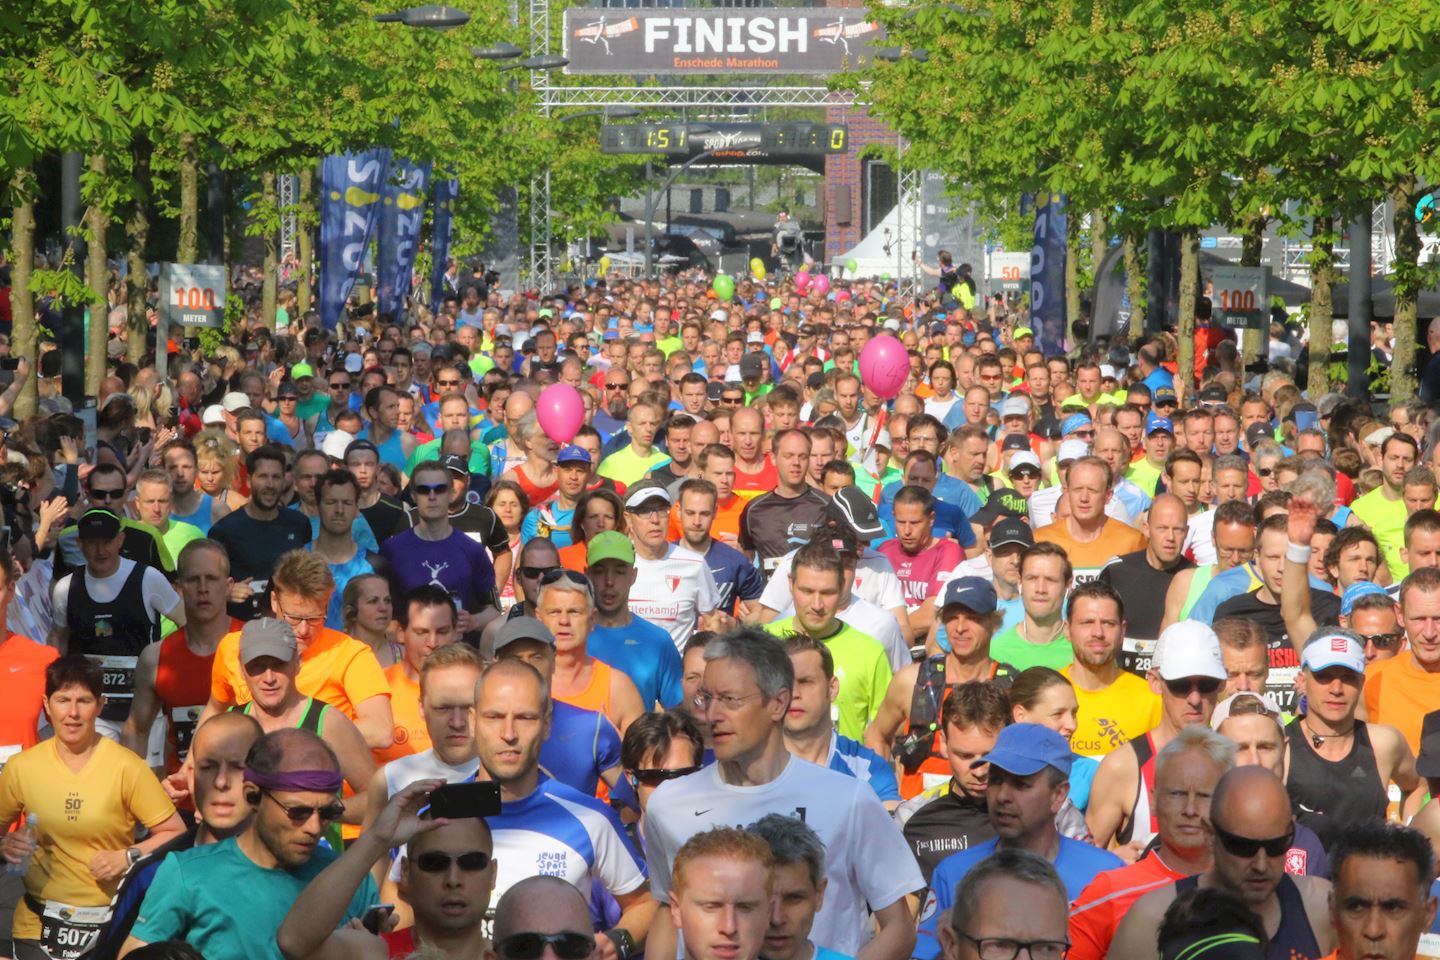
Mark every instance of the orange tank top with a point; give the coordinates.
(182, 685)
(537, 494)
(410, 734)
(596, 695)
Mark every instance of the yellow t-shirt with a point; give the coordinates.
(335, 668)
(78, 815)
(411, 734)
(1122, 711)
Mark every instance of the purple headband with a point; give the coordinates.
(300, 781)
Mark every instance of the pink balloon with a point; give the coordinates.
(560, 412)
(842, 296)
(884, 365)
(802, 280)
(820, 284)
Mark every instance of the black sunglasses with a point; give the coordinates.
(1238, 846)
(653, 778)
(105, 494)
(531, 946)
(1264, 471)
(734, 401)
(438, 861)
(616, 386)
(429, 489)
(329, 813)
(337, 385)
(1182, 688)
(1382, 641)
(556, 574)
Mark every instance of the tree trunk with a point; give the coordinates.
(305, 250)
(97, 278)
(1189, 296)
(1072, 270)
(1407, 289)
(1135, 289)
(1322, 305)
(187, 249)
(1252, 245)
(269, 203)
(22, 300)
(137, 234)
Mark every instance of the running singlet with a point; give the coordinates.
(1142, 825)
(1333, 795)
(112, 634)
(1294, 940)
(922, 766)
(182, 687)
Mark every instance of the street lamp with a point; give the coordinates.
(431, 16)
(500, 51)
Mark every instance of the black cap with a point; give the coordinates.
(713, 389)
(1257, 433)
(287, 389)
(1048, 428)
(857, 512)
(97, 524)
(1214, 393)
(456, 464)
(1015, 441)
(1008, 531)
(752, 366)
(362, 444)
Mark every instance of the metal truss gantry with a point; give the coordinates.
(596, 93)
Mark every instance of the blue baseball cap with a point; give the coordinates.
(976, 594)
(574, 454)
(1356, 590)
(1074, 422)
(1165, 394)
(1154, 424)
(1026, 748)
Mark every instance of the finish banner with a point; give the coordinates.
(402, 210)
(774, 40)
(350, 187)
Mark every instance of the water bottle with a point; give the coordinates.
(18, 869)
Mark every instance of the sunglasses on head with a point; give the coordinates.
(1183, 688)
(556, 574)
(1238, 846)
(438, 861)
(531, 946)
(653, 778)
(330, 813)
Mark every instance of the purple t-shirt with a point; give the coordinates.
(457, 564)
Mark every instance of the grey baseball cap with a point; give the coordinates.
(267, 637)
(522, 628)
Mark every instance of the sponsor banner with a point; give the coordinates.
(1047, 275)
(350, 186)
(774, 40)
(402, 210)
(446, 190)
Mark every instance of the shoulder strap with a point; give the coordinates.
(314, 718)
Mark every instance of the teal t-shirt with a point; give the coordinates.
(228, 907)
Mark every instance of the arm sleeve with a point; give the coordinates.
(709, 596)
(882, 778)
(746, 541)
(618, 866)
(885, 867)
(222, 678)
(880, 674)
(482, 571)
(164, 913)
(530, 526)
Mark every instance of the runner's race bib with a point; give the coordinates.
(1136, 655)
(182, 721)
(117, 676)
(68, 932)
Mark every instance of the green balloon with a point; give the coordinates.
(724, 286)
(851, 265)
(885, 277)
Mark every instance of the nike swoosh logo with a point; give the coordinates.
(1305, 809)
(701, 813)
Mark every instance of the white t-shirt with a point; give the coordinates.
(403, 771)
(870, 619)
(1200, 537)
(875, 580)
(939, 408)
(160, 598)
(867, 861)
(672, 592)
(1043, 502)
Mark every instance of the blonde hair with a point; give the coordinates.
(304, 573)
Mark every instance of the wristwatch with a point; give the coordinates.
(624, 942)
(132, 856)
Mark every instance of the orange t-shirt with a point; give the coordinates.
(1399, 692)
(727, 520)
(1115, 539)
(335, 668)
(573, 557)
(22, 692)
(411, 734)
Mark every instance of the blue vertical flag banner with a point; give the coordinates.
(402, 210)
(350, 186)
(1047, 274)
(446, 190)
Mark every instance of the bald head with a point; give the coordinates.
(296, 749)
(541, 904)
(1252, 802)
(517, 405)
(510, 672)
(704, 433)
(748, 417)
(540, 552)
(1169, 507)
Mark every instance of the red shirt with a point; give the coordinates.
(751, 485)
(22, 691)
(182, 683)
(400, 942)
(1096, 913)
(919, 573)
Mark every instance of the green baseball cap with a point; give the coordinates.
(609, 545)
(302, 370)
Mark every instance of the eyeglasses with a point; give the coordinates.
(1003, 948)
(430, 489)
(653, 778)
(1238, 846)
(616, 386)
(438, 861)
(340, 385)
(1183, 688)
(725, 702)
(732, 401)
(301, 814)
(531, 946)
(294, 621)
(1025, 474)
(447, 383)
(1382, 641)
(1085, 434)
(106, 494)
(1264, 471)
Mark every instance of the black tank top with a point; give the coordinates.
(112, 634)
(1333, 795)
(1294, 940)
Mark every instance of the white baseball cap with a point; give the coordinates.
(1014, 406)
(214, 416)
(1024, 458)
(334, 444)
(1333, 647)
(1072, 449)
(234, 402)
(1188, 649)
(1225, 707)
